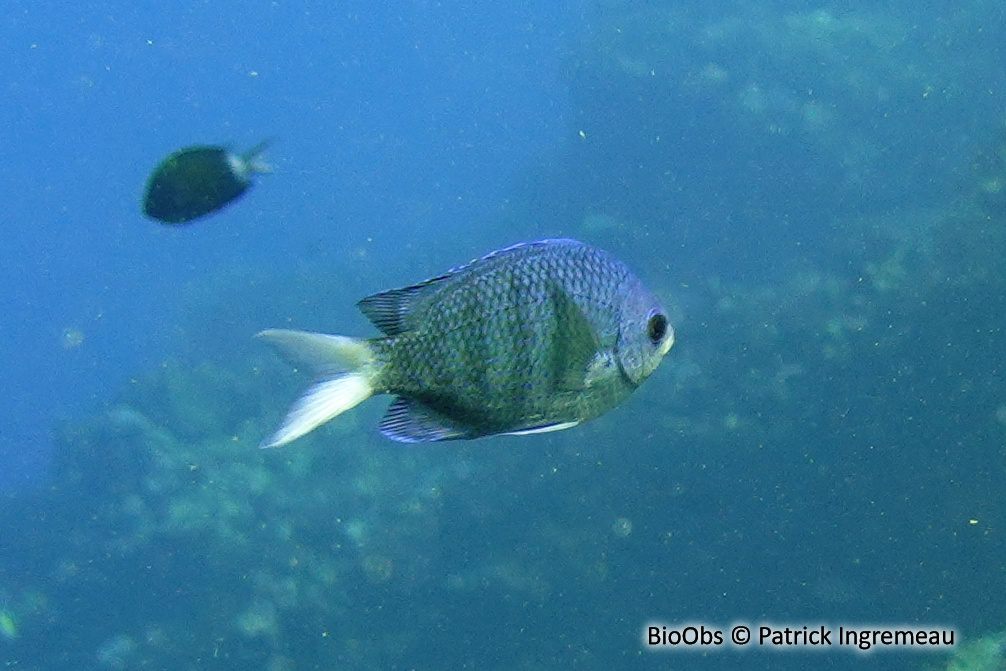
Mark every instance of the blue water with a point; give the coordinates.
(815, 192)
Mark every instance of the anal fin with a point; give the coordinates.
(411, 421)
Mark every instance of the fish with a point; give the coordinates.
(539, 336)
(196, 181)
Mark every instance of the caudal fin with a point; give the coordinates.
(347, 367)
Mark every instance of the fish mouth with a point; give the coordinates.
(635, 381)
(666, 346)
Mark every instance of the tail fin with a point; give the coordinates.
(252, 159)
(347, 367)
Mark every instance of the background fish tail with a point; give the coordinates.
(253, 157)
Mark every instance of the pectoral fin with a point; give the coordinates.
(576, 344)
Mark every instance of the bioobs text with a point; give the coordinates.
(687, 636)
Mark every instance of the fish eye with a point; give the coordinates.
(656, 328)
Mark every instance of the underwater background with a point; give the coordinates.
(816, 192)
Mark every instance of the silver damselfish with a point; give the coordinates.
(536, 337)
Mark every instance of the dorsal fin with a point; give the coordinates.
(390, 310)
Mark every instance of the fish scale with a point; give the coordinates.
(462, 337)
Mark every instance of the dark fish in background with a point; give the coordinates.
(196, 181)
(536, 337)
